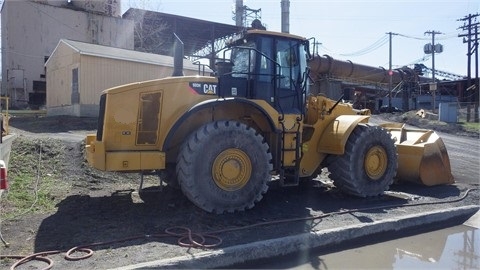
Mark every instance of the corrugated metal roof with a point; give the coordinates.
(196, 34)
(123, 54)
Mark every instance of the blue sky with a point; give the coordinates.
(345, 27)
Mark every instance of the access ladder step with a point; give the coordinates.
(289, 177)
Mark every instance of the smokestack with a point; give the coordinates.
(239, 13)
(285, 16)
(177, 57)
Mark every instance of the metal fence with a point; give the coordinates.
(465, 111)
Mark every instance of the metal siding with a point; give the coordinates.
(100, 73)
(59, 78)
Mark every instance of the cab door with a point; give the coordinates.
(277, 79)
(289, 76)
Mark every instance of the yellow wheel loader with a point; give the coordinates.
(221, 138)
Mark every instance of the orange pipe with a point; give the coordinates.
(322, 65)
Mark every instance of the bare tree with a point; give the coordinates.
(153, 5)
(150, 30)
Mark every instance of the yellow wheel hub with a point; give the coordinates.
(231, 169)
(376, 162)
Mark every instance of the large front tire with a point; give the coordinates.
(224, 167)
(369, 164)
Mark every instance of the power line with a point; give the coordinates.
(55, 19)
(19, 53)
(377, 44)
(446, 36)
(420, 60)
(412, 37)
(327, 49)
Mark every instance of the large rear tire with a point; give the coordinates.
(224, 167)
(369, 164)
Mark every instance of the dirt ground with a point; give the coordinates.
(89, 206)
(410, 118)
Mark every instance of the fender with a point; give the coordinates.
(335, 136)
(212, 103)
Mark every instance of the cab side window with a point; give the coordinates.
(244, 62)
(289, 64)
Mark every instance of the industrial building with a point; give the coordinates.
(32, 29)
(78, 72)
(202, 39)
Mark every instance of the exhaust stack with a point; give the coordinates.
(239, 13)
(178, 55)
(285, 16)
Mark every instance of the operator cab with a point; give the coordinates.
(266, 65)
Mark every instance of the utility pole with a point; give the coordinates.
(472, 43)
(316, 44)
(390, 71)
(477, 83)
(243, 15)
(434, 48)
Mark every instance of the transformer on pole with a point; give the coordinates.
(432, 49)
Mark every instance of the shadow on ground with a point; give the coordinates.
(52, 124)
(82, 219)
(437, 192)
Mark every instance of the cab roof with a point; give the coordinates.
(272, 33)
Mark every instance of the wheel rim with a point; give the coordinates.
(376, 162)
(231, 169)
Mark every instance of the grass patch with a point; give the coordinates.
(35, 177)
(471, 126)
(28, 194)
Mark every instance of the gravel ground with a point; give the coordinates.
(105, 212)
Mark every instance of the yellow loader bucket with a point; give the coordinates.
(422, 156)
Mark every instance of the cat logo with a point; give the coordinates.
(204, 88)
(210, 89)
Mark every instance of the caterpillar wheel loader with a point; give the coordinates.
(221, 138)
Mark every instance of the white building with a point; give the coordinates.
(78, 72)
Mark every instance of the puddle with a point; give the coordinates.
(451, 248)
